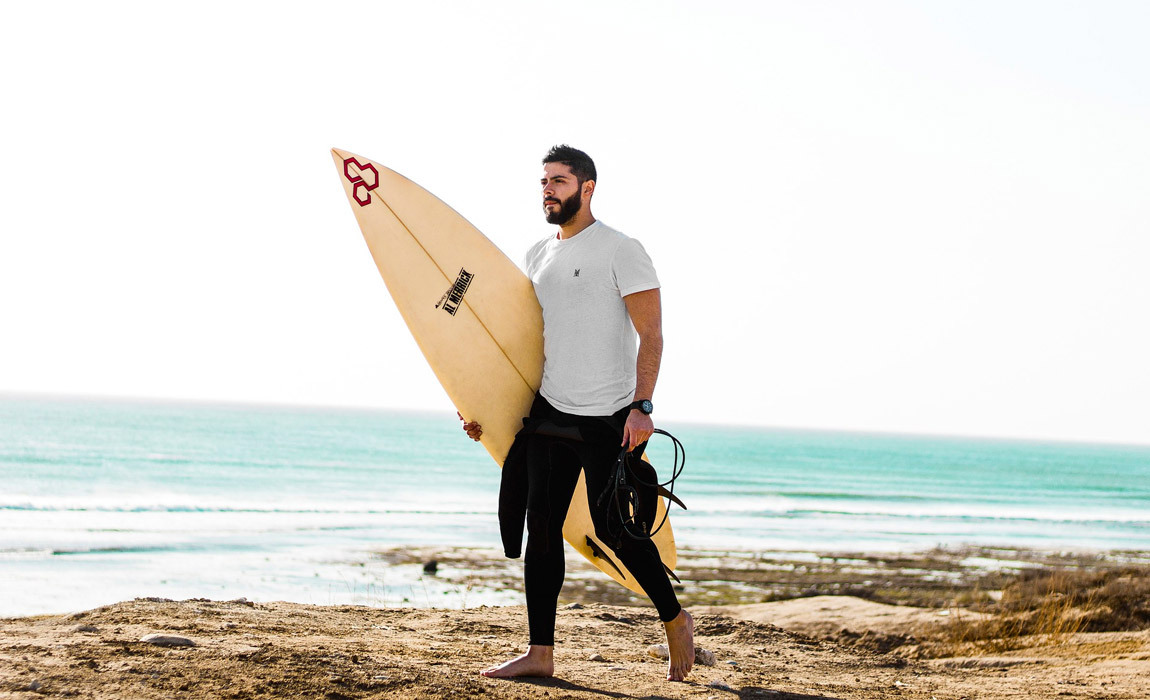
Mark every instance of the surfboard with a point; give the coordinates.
(475, 317)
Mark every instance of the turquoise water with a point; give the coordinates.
(101, 501)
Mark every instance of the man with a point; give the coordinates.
(597, 288)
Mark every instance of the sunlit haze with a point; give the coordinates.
(910, 217)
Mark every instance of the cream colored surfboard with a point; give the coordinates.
(475, 317)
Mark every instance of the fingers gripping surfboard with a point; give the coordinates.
(475, 317)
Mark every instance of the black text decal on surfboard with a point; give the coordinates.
(454, 296)
(363, 181)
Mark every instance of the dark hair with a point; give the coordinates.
(582, 167)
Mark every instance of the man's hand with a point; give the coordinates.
(638, 429)
(473, 429)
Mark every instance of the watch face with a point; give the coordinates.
(647, 406)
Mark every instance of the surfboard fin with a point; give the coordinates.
(598, 551)
(667, 494)
(670, 573)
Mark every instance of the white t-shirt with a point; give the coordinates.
(589, 342)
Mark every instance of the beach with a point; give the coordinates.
(287, 650)
(360, 563)
(804, 645)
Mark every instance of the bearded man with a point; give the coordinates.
(602, 343)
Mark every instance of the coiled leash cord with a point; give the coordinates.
(625, 498)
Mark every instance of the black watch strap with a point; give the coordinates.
(644, 405)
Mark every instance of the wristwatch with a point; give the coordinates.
(644, 405)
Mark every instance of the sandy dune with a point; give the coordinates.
(284, 650)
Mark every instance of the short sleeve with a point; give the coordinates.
(531, 258)
(633, 269)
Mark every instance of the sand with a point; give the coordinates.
(287, 650)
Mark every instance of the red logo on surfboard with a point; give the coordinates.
(366, 180)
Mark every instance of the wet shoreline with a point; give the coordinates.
(937, 578)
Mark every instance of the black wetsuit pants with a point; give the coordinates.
(553, 473)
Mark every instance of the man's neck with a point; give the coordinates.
(579, 222)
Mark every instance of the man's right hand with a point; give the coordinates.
(473, 429)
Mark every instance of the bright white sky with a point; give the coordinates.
(914, 217)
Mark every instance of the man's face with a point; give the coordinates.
(561, 193)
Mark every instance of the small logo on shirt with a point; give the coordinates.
(453, 297)
(576, 272)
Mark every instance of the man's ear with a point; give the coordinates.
(588, 188)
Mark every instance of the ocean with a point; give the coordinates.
(104, 500)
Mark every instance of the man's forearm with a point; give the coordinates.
(647, 365)
(646, 314)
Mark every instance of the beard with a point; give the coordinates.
(568, 208)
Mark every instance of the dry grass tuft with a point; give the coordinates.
(1046, 607)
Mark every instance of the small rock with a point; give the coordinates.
(242, 601)
(616, 668)
(34, 686)
(596, 657)
(732, 663)
(431, 567)
(152, 599)
(573, 606)
(719, 685)
(167, 640)
(702, 656)
(85, 628)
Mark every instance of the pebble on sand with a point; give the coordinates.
(596, 657)
(702, 656)
(167, 640)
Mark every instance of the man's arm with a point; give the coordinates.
(646, 313)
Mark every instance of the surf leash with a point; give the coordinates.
(622, 493)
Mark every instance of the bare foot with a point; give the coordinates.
(538, 661)
(681, 645)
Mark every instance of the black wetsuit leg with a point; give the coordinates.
(553, 468)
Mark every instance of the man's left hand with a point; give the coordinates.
(638, 429)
